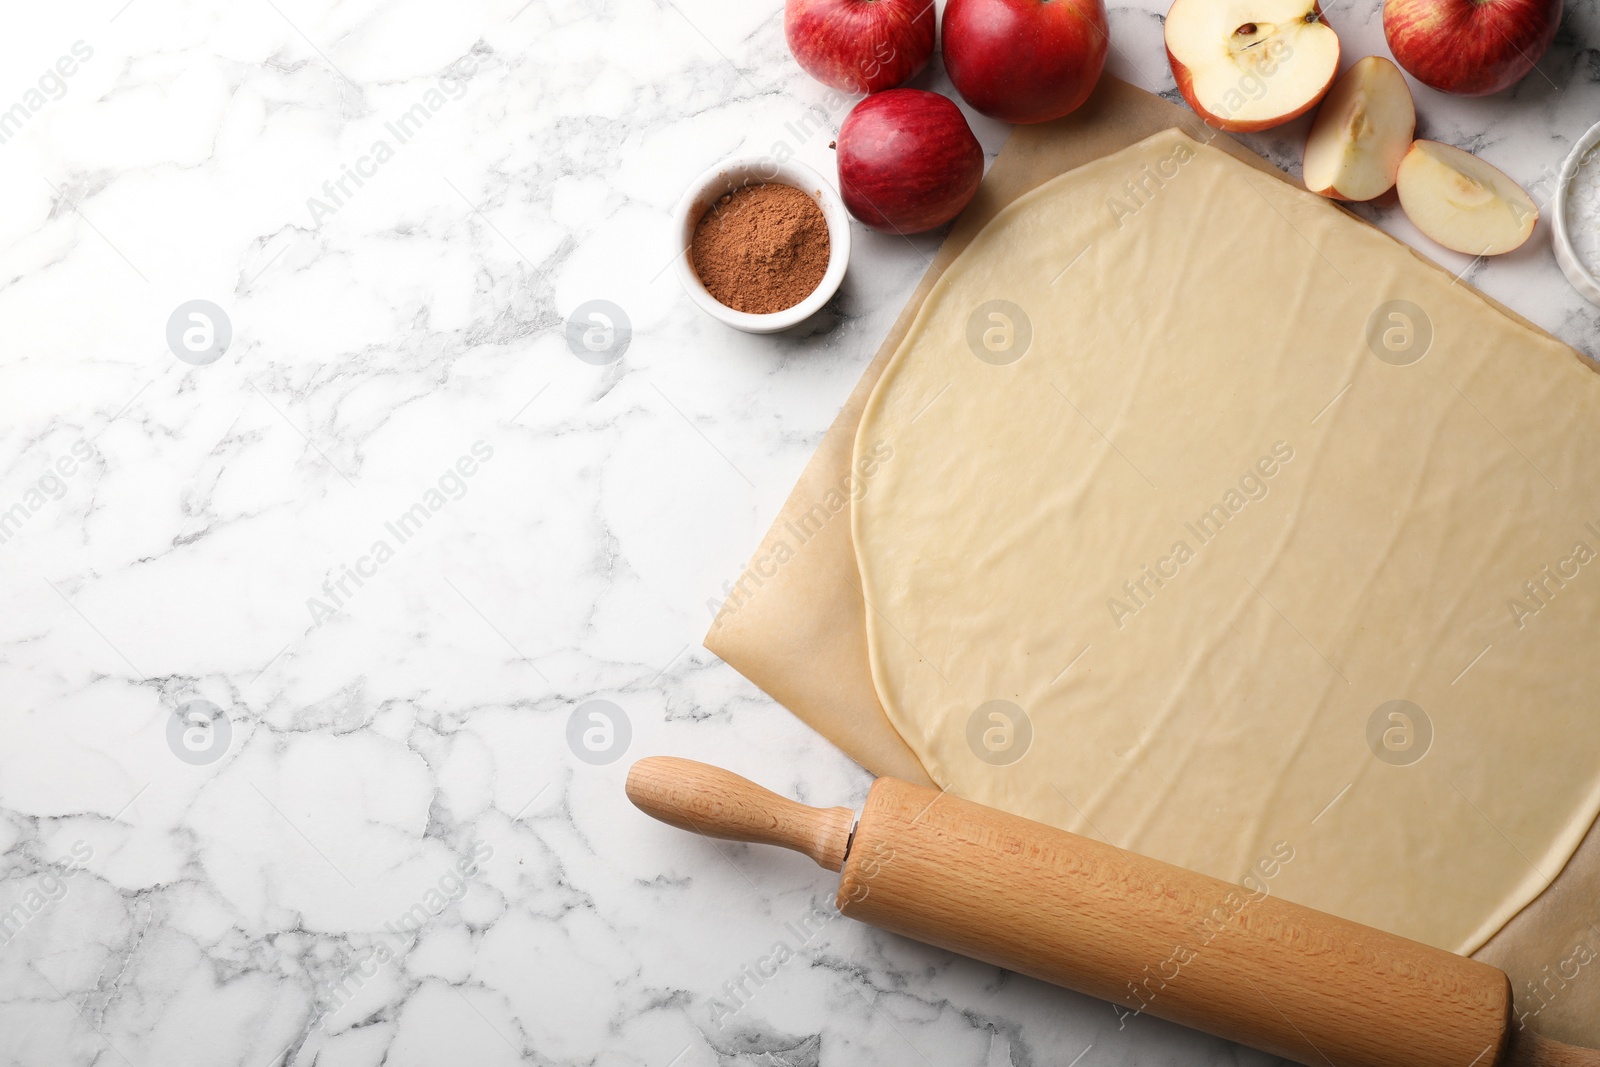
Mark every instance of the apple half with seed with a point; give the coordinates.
(1248, 65)
(1361, 133)
(1461, 202)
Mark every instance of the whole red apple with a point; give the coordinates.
(1470, 47)
(907, 161)
(1025, 60)
(860, 46)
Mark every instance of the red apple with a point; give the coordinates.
(1025, 60)
(907, 161)
(1469, 47)
(860, 46)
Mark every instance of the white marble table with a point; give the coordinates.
(395, 535)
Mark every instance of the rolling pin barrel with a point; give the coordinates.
(1160, 940)
(1149, 937)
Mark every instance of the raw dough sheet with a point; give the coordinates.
(801, 634)
(1216, 526)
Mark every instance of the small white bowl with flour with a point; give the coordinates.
(1576, 222)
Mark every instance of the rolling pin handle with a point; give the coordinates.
(1528, 1049)
(717, 803)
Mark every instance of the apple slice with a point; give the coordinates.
(1361, 132)
(1248, 65)
(1463, 203)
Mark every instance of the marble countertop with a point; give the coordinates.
(341, 592)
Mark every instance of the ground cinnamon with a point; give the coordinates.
(761, 248)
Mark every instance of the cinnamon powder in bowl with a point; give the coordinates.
(761, 248)
(764, 234)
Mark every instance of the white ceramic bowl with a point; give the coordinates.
(1585, 155)
(758, 170)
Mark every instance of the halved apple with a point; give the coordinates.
(1361, 132)
(1248, 65)
(1463, 203)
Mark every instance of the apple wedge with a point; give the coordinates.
(1361, 132)
(1247, 65)
(1461, 202)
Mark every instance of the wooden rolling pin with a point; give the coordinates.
(1145, 935)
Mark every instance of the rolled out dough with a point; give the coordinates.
(1283, 547)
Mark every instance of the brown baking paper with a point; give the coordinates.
(795, 624)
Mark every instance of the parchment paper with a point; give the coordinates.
(796, 624)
